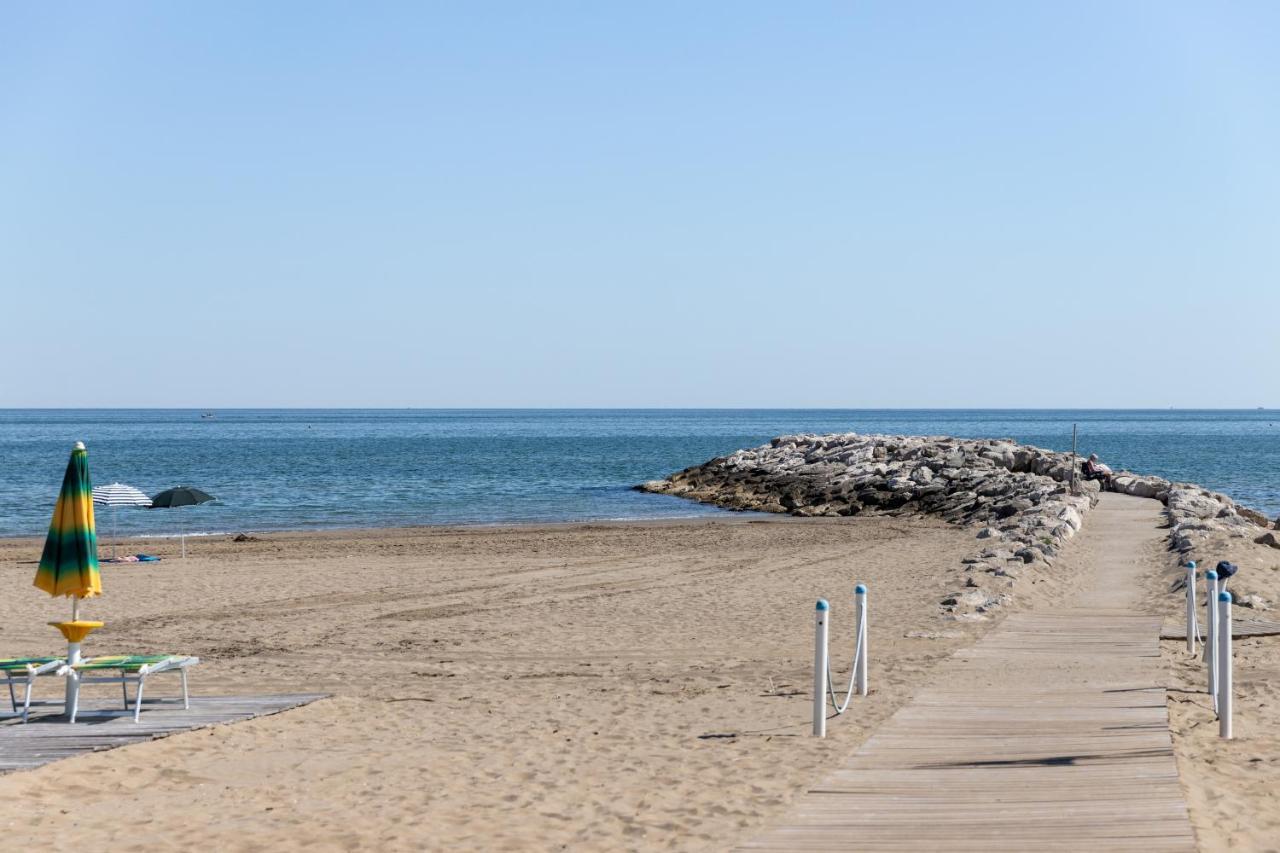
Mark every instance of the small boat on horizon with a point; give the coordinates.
(207, 416)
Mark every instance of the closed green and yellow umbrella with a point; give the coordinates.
(69, 564)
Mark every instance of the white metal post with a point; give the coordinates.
(1224, 665)
(1211, 633)
(1191, 607)
(860, 664)
(820, 668)
(1212, 586)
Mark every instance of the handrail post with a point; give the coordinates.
(1224, 665)
(820, 668)
(861, 632)
(1211, 634)
(1191, 607)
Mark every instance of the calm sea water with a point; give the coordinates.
(298, 469)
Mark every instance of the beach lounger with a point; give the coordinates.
(130, 669)
(25, 671)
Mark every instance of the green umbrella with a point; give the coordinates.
(178, 498)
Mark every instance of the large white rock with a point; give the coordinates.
(1183, 502)
(1071, 516)
(1142, 487)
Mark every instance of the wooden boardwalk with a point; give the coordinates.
(1049, 734)
(48, 737)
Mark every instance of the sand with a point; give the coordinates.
(1232, 787)
(611, 686)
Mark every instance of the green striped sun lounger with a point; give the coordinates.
(24, 672)
(129, 669)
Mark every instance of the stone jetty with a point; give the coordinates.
(1018, 497)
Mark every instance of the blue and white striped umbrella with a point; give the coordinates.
(118, 494)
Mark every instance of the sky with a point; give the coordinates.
(894, 204)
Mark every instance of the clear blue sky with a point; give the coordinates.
(542, 204)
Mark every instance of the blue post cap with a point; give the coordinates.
(1211, 575)
(822, 604)
(860, 589)
(1224, 596)
(1191, 564)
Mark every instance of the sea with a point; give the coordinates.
(300, 469)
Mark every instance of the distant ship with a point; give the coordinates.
(208, 416)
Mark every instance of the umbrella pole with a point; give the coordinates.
(183, 520)
(115, 532)
(73, 658)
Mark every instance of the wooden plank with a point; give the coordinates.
(106, 725)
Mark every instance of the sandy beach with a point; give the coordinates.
(605, 686)
(595, 686)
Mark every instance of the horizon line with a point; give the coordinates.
(215, 409)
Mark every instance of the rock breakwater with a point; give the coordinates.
(1018, 495)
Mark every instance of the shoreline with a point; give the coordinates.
(725, 516)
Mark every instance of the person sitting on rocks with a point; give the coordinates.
(1095, 470)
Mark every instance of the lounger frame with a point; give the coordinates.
(178, 663)
(28, 680)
